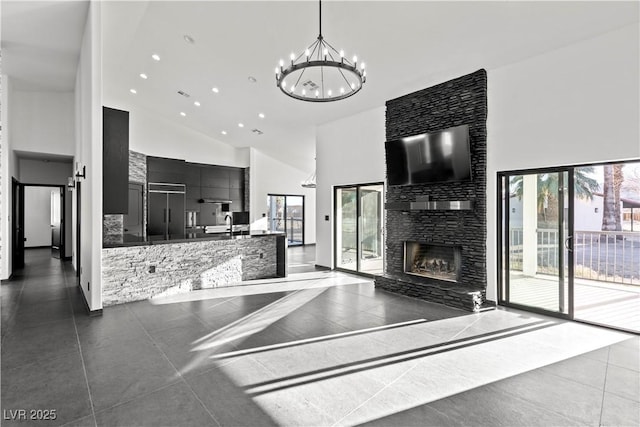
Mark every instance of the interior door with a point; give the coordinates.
(57, 204)
(18, 225)
(537, 244)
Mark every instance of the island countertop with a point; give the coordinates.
(147, 269)
(131, 240)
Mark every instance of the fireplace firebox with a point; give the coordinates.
(441, 262)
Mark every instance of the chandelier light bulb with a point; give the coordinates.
(341, 90)
(281, 63)
(307, 54)
(362, 66)
(284, 84)
(341, 53)
(304, 92)
(353, 86)
(293, 88)
(326, 51)
(329, 93)
(317, 93)
(277, 71)
(292, 56)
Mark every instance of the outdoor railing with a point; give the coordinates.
(606, 256)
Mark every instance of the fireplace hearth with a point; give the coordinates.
(440, 262)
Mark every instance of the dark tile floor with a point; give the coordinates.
(336, 351)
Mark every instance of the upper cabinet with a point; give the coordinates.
(115, 161)
(171, 171)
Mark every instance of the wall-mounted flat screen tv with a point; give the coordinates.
(429, 157)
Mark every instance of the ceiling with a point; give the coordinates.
(407, 46)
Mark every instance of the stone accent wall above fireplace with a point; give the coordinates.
(453, 103)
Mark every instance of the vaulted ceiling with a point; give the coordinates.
(407, 46)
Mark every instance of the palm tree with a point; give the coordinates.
(584, 186)
(613, 179)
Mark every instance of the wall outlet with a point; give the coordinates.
(152, 269)
(326, 217)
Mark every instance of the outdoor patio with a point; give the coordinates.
(609, 304)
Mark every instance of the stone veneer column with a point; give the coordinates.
(457, 102)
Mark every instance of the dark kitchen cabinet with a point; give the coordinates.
(115, 161)
(160, 169)
(133, 221)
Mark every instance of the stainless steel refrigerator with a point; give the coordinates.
(166, 211)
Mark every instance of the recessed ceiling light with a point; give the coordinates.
(240, 125)
(261, 115)
(143, 75)
(133, 91)
(156, 56)
(215, 90)
(224, 132)
(196, 103)
(252, 79)
(183, 114)
(189, 39)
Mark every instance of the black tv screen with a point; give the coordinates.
(429, 157)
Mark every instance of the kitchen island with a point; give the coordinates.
(139, 269)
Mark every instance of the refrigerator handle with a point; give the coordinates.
(164, 215)
(169, 215)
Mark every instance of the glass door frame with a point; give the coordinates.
(286, 230)
(336, 207)
(566, 257)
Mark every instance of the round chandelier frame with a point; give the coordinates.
(326, 64)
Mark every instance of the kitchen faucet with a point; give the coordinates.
(230, 217)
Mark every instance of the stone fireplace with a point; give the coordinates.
(436, 233)
(441, 262)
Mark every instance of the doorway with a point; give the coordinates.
(285, 214)
(359, 243)
(40, 218)
(570, 247)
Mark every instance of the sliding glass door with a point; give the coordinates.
(536, 241)
(358, 228)
(286, 215)
(570, 244)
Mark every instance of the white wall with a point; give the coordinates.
(578, 104)
(37, 216)
(348, 151)
(43, 122)
(88, 152)
(7, 166)
(155, 136)
(271, 176)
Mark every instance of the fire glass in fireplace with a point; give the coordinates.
(440, 262)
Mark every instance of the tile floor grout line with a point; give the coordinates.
(386, 386)
(328, 415)
(604, 386)
(18, 301)
(84, 367)
(182, 378)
